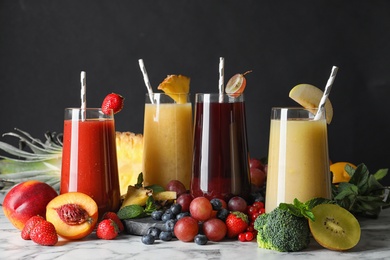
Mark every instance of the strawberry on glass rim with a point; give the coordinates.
(112, 101)
(236, 84)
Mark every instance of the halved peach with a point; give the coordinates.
(74, 215)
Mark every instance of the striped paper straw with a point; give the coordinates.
(326, 92)
(83, 94)
(221, 78)
(146, 79)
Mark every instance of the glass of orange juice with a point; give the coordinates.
(167, 153)
(298, 162)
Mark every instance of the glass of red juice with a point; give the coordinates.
(221, 158)
(89, 159)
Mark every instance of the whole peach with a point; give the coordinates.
(27, 199)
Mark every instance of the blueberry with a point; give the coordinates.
(222, 214)
(181, 215)
(153, 231)
(170, 224)
(148, 239)
(167, 216)
(157, 214)
(200, 239)
(216, 203)
(175, 208)
(166, 235)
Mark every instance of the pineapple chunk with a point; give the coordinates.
(173, 85)
(129, 148)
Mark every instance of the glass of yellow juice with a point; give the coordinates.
(167, 152)
(298, 161)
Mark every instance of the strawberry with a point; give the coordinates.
(236, 223)
(29, 225)
(114, 217)
(44, 233)
(107, 229)
(112, 101)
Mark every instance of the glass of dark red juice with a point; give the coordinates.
(89, 159)
(220, 159)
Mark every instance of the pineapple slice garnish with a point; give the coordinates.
(174, 85)
(129, 149)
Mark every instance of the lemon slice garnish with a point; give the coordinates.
(309, 97)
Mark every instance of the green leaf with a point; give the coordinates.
(131, 211)
(291, 208)
(360, 178)
(380, 174)
(150, 205)
(156, 188)
(310, 204)
(298, 209)
(346, 190)
(140, 181)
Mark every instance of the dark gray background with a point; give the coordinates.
(44, 44)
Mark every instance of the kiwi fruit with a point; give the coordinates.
(334, 227)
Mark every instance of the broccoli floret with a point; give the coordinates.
(281, 231)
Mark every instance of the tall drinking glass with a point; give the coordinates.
(167, 153)
(221, 160)
(298, 163)
(89, 160)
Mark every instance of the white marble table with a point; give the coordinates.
(374, 244)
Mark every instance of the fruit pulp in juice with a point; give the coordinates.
(89, 162)
(167, 143)
(298, 163)
(221, 160)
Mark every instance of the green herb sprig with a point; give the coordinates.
(363, 195)
(303, 209)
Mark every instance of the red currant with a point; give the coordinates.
(258, 204)
(250, 228)
(252, 209)
(255, 215)
(249, 236)
(242, 237)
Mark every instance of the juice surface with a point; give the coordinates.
(89, 162)
(167, 143)
(220, 168)
(298, 164)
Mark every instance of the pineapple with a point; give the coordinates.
(174, 85)
(129, 148)
(43, 162)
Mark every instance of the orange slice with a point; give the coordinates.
(339, 172)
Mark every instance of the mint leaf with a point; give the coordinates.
(150, 205)
(156, 188)
(131, 211)
(346, 190)
(291, 208)
(380, 174)
(360, 177)
(298, 209)
(140, 181)
(310, 204)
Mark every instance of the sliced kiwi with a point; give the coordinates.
(334, 227)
